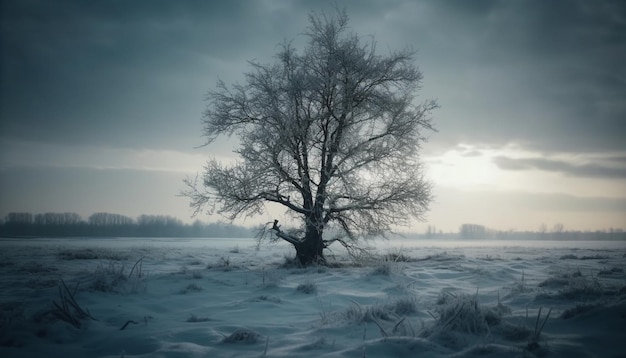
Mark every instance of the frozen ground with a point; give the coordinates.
(226, 298)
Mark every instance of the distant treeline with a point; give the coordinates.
(558, 232)
(112, 225)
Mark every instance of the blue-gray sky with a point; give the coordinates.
(101, 101)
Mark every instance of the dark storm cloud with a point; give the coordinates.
(119, 73)
(585, 74)
(547, 74)
(559, 166)
(84, 80)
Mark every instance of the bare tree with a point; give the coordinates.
(332, 134)
(558, 228)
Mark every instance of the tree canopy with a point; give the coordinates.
(332, 133)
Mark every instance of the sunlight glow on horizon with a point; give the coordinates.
(468, 185)
(473, 168)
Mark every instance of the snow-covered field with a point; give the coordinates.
(227, 298)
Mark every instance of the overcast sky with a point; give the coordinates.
(101, 101)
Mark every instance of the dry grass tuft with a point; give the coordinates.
(242, 335)
(192, 287)
(307, 287)
(68, 310)
(195, 319)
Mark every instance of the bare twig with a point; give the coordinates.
(290, 239)
(395, 328)
(534, 340)
(382, 330)
(140, 263)
(538, 328)
(127, 323)
(267, 342)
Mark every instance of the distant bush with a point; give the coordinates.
(92, 254)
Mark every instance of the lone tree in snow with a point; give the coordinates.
(331, 133)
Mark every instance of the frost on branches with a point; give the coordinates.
(332, 133)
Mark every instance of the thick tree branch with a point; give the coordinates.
(290, 239)
(283, 201)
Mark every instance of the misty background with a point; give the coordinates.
(101, 102)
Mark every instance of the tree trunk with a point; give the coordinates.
(311, 249)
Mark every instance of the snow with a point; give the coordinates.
(230, 298)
